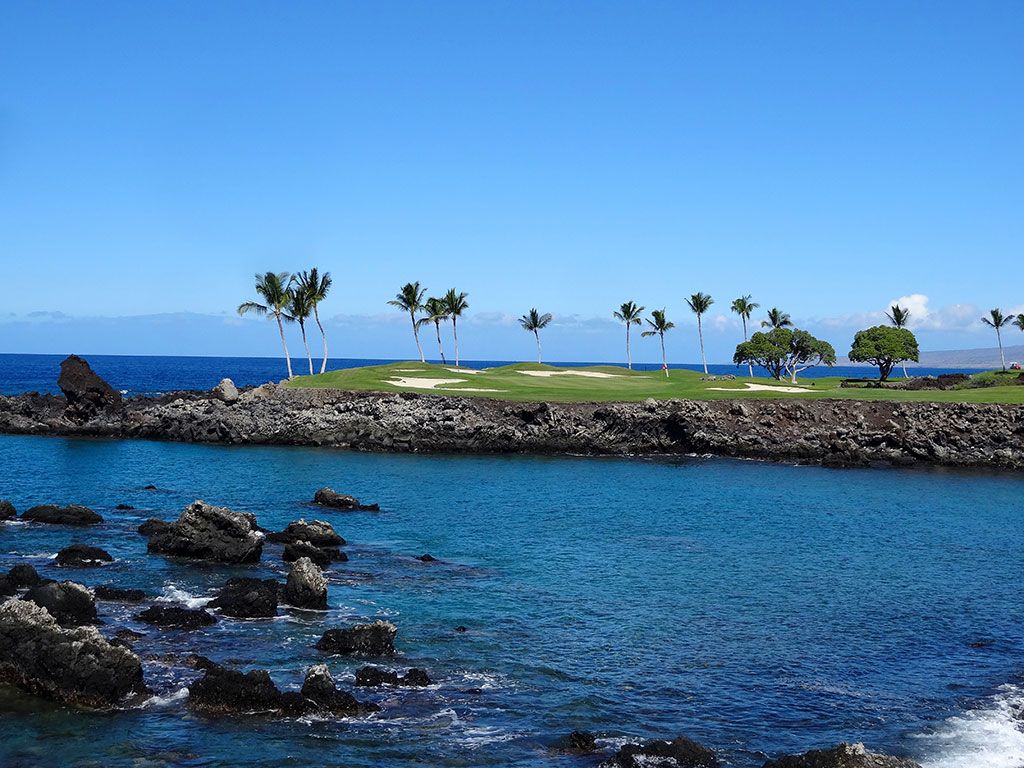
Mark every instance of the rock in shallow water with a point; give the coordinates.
(73, 514)
(177, 617)
(322, 556)
(86, 393)
(7, 510)
(247, 598)
(316, 532)
(119, 595)
(374, 677)
(841, 756)
(83, 556)
(205, 532)
(24, 575)
(327, 497)
(71, 604)
(74, 666)
(678, 753)
(306, 587)
(376, 639)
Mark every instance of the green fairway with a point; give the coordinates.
(533, 382)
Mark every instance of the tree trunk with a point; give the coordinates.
(1002, 357)
(437, 327)
(287, 357)
(905, 376)
(700, 335)
(537, 335)
(629, 359)
(664, 360)
(455, 334)
(316, 314)
(309, 357)
(416, 335)
(750, 366)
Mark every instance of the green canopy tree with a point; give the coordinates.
(700, 303)
(658, 325)
(630, 314)
(782, 350)
(744, 307)
(884, 347)
(535, 322)
(437, 313)
(455, 302)
(996, 319)
(410, 299)
(275, 290)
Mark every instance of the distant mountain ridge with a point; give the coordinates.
(964, 358)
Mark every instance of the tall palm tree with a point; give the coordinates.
(744, 307)
(996, 319)
(275, 289)
(899, 318)
(657, 326)
(455, 302)
(630, 314)
(317, 287)
(437, 312)
(410, 299)
(699, 304)
(299, 309)
(776, 319)
(535, 322)
(1019, 321)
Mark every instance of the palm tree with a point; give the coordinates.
(997, 320)
(776, 319)
(317, 287)
(1019, 321)
(744, 307)
(275, 289)
(535, 322)
(437, 312)
(699, 304)
(410, 299)
(455, 302)
(299, 309)
(657, 325)
(900, 318)
(629, 313)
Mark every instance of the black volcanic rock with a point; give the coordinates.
(376, 639)
(223, 691)
(177, 617)
(327, 497)
(320, 690)
(73, 514)
(576, 743)
(205, 532)
(83, 556)
(322, 556)
(24, 575)
(7, 510)
(374, 677)
(316, 532)
(119, 595)
(71, 604)
(86, 393)
(306, 587)
(246, 598)
(678, 753)
(124, 507)
(841, 756)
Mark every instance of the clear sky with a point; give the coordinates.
(825, 157)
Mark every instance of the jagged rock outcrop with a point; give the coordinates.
(246, 598)
(83, 556)
(328, 497)
(576, 743)
(376, 639)
(119, 594)
(226, 391)
(7, 510)
(322, 556)
(86, 393)
(374, 677)
(74, 666)
(24, 575)
(177, 617)
(317, 532)
(841, 756)
(206, 532)
(320, 692)
(306, 587)
(678, 753)
(73, 514)
(71, 604)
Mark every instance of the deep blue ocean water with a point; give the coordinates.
(136, 374)
(758, 608)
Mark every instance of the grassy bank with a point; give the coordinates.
(533, 382)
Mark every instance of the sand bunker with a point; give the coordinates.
(761, 388)
(588, 374)
(417, 383)
(464, 370)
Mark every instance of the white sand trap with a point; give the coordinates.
(464, 370)
(588, 374)
(762, 388)
(410, 383)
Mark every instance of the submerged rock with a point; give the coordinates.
(226, 391)
(7, 510)
(205, 532)
(177, 617)
(322, 556)
(124, 507)
(374, 677)
(306, 587)
(86, 393)
(247, 598)
(71, 604)
(74, 666)
(678, 753)
(327, 497)
(841, 756)
(119, 595)
(316, 532)
(24, 575)
(376, 639)
(427, 558)
(83, 556)
(576, 743)
(73, 514)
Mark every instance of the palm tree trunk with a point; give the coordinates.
(416, 335)
(302, 327)
(316, 314)
(905, 376)
(1002, 357)
(535, 333)
(629, 359)
(664, 360)
(750, 366)
(437, 327)
(287, 357)
(700, 335)
(455, 333)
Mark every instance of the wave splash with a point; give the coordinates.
(991, 736)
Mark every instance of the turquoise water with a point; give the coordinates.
(757, 608)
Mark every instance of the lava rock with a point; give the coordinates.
(306, 587)
(119, 595)
(425, 558)
(73, 666)
(320, 690)
(153, 526)
(678, 753)
(247, 598)
(7, 510)
(316, 532)
(71, 604)
(322, 556)
(841, 756)
(327, 497)
(576, 743)
(149, 487)
(223, 691)
(83, 556)
(177, 617)
(73, 514)
(376, 639)
(86, 393)
(226, 391)
(24, 575)
(124, 507)
(374, 677)
(205, 532)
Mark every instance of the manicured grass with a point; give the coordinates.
(514, 382)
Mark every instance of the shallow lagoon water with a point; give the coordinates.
(757, 608)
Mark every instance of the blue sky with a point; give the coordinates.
(827, 158)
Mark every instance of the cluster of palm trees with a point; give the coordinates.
(288, 297)
(998, 320)
(434, 310)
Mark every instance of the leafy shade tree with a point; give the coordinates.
(996, 319)
(900, 318)
(316, 287)
(700, 303)
(777, 319)
(535, 322)
(300, 308)
(657, 325)
(410, 299)
(884, 347)
(275, 290)
(437, 312)
(782, 350)
(630, 314)
(455, 303)
(744, 307)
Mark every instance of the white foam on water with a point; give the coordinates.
(167, 699)
(172, 593)
(991, 736)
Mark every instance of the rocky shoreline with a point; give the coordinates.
(829, 432)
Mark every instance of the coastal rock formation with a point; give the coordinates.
(73, 514)
(71, 604)
(73, 666)
(177, 617)
(322, 556)
(320, 693)
(24, 575)
(376, 639)
(374, 677)
(841, 756)
(83, 556)
(226, 391)
(576, 743)
(205, 532)
(119, 595)
(248, 598)
(306, 587)
(678, 753)
(327, 497)
(86, 393)
(7, 510)
(316, 532)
